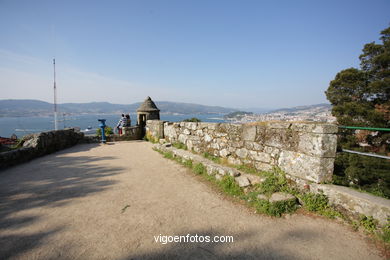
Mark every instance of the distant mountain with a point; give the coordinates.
(322, 106)
(25, 107)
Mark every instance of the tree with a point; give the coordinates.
(361, 97)
(193, 119)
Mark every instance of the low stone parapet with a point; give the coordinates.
(35, 145)
(303, 150)
(355, 203)
(132, 133)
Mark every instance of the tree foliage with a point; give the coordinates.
(360, 97)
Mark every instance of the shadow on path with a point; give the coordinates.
(49, 181)
(264, 249)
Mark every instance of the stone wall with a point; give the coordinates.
(39, 144)
(303, 150)
(131, 133)
(155, 128)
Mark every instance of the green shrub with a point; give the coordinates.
(187, 163)
(318, 203)
(179, 145)
(385, 234)
(368, 222)
(168, 155)
(212, 157)
(107, 130)
(150, 138)
(273, 183)
(228, 185)
(199, 169)
(193, 119)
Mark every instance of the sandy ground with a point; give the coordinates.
(109, 201)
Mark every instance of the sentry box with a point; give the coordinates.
(102, 126)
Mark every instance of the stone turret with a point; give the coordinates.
(147, 111)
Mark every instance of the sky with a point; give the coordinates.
(240, 54)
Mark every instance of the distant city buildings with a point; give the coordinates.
(314, 114)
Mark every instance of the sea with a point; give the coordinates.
(21, 126)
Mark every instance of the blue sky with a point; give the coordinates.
(231, 53)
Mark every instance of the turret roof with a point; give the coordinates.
(148, 106)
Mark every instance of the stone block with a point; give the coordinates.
(355, 203)
(281, 196)
(242, 181)
(224, 153)
(307, 167)
(248, 133)
(262, 197)
(260, 156)
(322, 145)
(263, 166)
(254, 179)
(242, 153)
(319, 128)
(207, 138)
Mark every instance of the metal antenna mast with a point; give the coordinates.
(55, 97)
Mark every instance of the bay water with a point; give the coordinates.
(26, 125)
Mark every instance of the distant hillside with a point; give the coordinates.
(322, 106)
(24, 107)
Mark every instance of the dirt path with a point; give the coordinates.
(108, 202)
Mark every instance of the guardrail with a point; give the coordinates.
(370, 129)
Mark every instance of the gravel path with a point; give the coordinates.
(109, 201)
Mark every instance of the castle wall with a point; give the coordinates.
(39, 144)
(303, 150)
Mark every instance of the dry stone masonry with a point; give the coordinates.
(303, 150)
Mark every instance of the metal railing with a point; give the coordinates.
(370, 129)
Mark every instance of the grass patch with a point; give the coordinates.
(318, 203)
(179, 145)
(384, 234)
(150, 138)
(187, 163)
(275, 209)
(229, 186)
(368, 222)
(199, 169)
(212, 157)
(168, 155)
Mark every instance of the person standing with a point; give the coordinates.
(120, 124)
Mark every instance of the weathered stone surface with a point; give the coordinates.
(307, 167)
(354, 202)
(242, 181)
(304, 150)
(218, 177)
(281, 196)
(262, 197)
(315, 128)
(183, 138)
(207, 138)
(39, 144)
(263, 166)
(322, 145)
(254, 179)
(249, 133)
(224, 153)
(242, 153)
(260, 156)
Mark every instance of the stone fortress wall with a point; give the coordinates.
(303, 150)
(36, 145)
